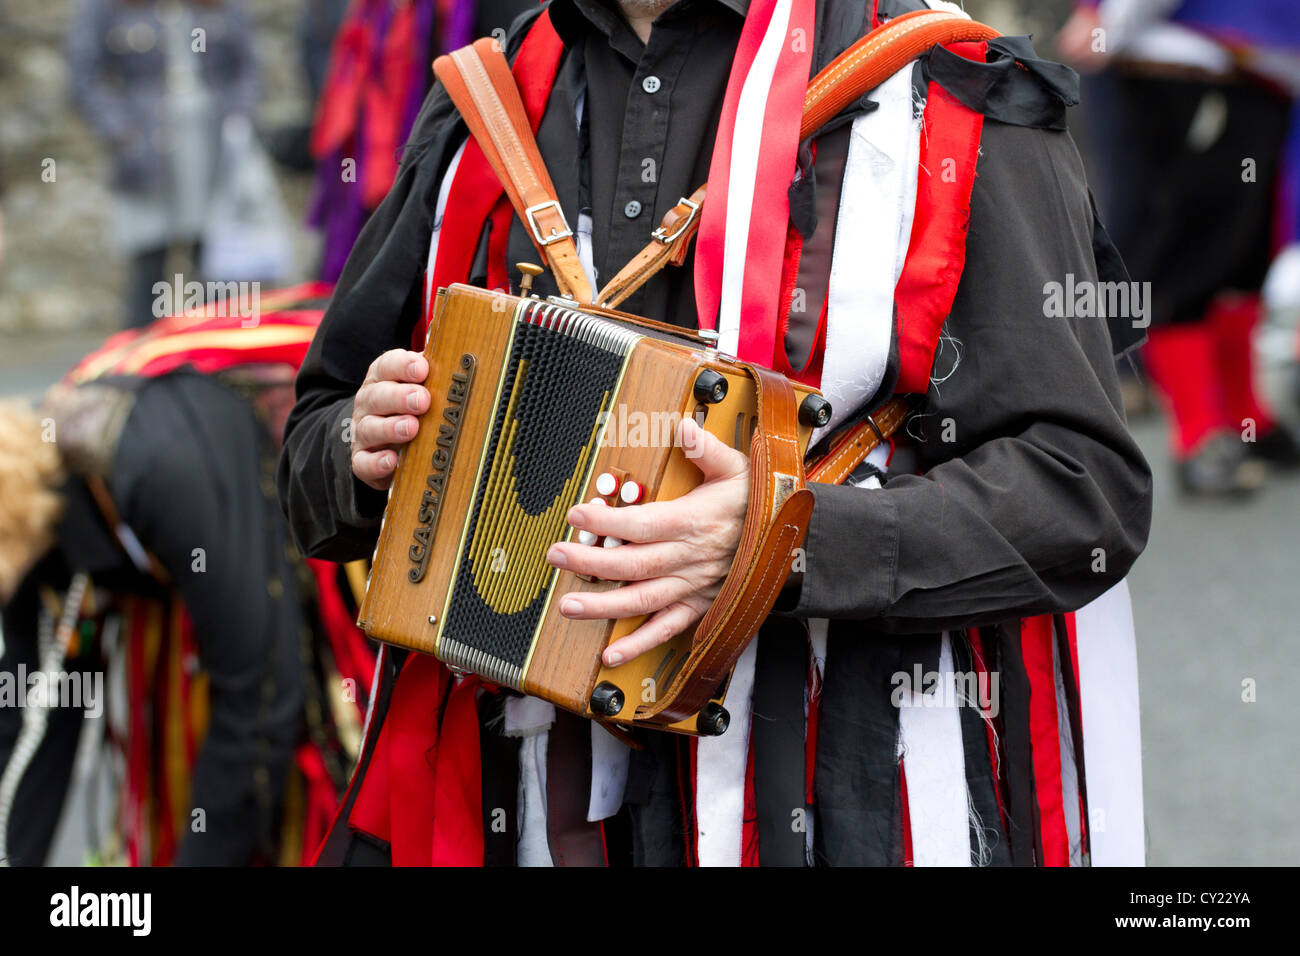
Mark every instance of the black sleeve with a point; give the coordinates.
(1033, 497)
(375, 307)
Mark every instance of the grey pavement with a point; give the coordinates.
(1216, 600)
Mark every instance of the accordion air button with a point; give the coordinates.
(606, 699)
(631, 492)
(586, 537)
(712, 720)
(710, 387)
(606, 484)
(815, 411)
(612, 542)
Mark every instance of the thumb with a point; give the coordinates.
(715, 459)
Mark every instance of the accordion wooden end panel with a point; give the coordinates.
(536, 407)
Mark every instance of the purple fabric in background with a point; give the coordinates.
(459, 28)
(335, 207)
(1269, 23)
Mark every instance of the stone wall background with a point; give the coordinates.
(61, 271)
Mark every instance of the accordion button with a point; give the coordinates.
(631, 492)
(606, 484)
(586, 537)
(612, 542)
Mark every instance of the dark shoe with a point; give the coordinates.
(1221, 467)
(1279, 448)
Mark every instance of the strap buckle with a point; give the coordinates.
(531, 215)
(871, 422)
(667, 239)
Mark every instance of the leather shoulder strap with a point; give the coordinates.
(862, 67)
(480, 83)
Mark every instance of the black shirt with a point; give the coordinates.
(651, 113)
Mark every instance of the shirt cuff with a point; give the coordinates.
(850, 557)
(361, 505)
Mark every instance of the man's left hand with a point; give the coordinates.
(674, 556)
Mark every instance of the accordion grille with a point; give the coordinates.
(558, 385)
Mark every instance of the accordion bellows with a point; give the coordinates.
(537, 406)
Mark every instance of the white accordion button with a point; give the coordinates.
(606, 484)
(586, 537)
(612, 542)
(631, 493)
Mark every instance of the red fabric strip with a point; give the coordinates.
(353, 657)
(709, 242)
(340, 100)
(1045, 738)
(385, 95)
(937, 250)
(906, 814)
(458, 801)
(749, 822)
(687, 782)
(777, 161)
(982, 672)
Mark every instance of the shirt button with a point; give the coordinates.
(651, 84)
(632, 209)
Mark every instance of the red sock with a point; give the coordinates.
(1233, 319)
(1181, 362)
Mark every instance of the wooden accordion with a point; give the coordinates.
(539, 405)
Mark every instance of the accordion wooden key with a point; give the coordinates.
(538, 406)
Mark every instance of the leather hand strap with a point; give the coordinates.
(862, 67)
(479, 82)
(780, 510)
(776, 522)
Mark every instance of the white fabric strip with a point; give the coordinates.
(530, 719)
(440, 210)
(1112, 738)
(1069, 767)
(582, 237)
(930, 742)
(532, 848)
(746, 140)
(609, 760)
(585, 255)
(720, 773)
(877, 201)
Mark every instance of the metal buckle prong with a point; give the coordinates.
(690, 218)
(876, 428)
(531, 214)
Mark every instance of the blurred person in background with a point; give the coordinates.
(1190, 119)
(146, 541)
(157, 81)
(368, 100)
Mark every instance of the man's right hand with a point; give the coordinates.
(385, 414)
